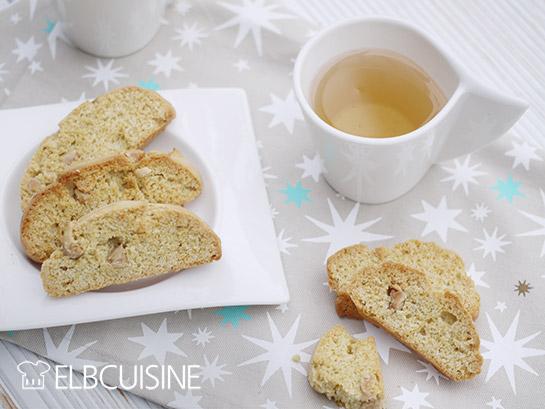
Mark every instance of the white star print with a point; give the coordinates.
(35, 66)
(284, 242)
(15, 18)
(211, 371)
(439, 219)
(190, 36)
(504, 351)
(284, 112)
(312, 167)
(430, 372)
(269, 404)
(476, 276)
(61, 352)
(26, 51)
(202, 337)
(32, 8)
(495, 403)
(81, 98)
(104, 74)
(462, 174)
(165, 64)
(157, 344)
(2, 72)
(241, 65)
(343, 233)
(182, 7)
(480, 212)
(536, 219)
(413, 399)
(523, 153)
(279, 353)
(267, 175)
(187, 401)
(282, 308)
(53, 36)
(500, 306)
(252, 16)
(492, 244)
(384, 341)
(274, 212)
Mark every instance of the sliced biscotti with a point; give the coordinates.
(126, 241)
(444, 268)
(134, 175)
(347, 370)
(428, 320)
(124, 119)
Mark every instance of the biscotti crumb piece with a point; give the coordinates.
(428, 320)
(347, 370)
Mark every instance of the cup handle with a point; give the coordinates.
(477, 116)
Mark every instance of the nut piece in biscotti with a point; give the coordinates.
(133, 175)
(428, 320)
(113, 252)
(347, 370)
(123, 119)
(444, 268)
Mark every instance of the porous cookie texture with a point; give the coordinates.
(126, 241)
(444, 268)
(134, 175)
(347, 370)
(123, 119)
(428, 320)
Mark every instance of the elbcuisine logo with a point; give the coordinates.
(148, 377)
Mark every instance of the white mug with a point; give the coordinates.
(110, 28)
(377, 170)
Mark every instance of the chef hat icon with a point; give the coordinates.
(33, 374)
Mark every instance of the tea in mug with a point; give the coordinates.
(377, 94)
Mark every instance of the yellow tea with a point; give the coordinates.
(377, 94)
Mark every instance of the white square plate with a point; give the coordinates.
(213, 131)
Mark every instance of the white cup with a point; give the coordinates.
(377, 170)
(111, 28)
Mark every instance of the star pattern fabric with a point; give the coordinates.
(489, 207)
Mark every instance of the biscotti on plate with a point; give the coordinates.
(444, 268)
(126, 241)
(134, 175)
(126, 118)
(427, 319)
(347, 370)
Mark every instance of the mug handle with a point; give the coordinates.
(478, 116)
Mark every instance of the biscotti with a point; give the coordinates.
(428, 320)
(347, 370)
(134, 175)
(126, 241)
(444, 268)
(124, 119)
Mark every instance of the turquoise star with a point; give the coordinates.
(296, 194)
(232, 315)
(151, 84)
(50, 26)
(507, 189)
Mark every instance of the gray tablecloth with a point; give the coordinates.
(489, 207)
